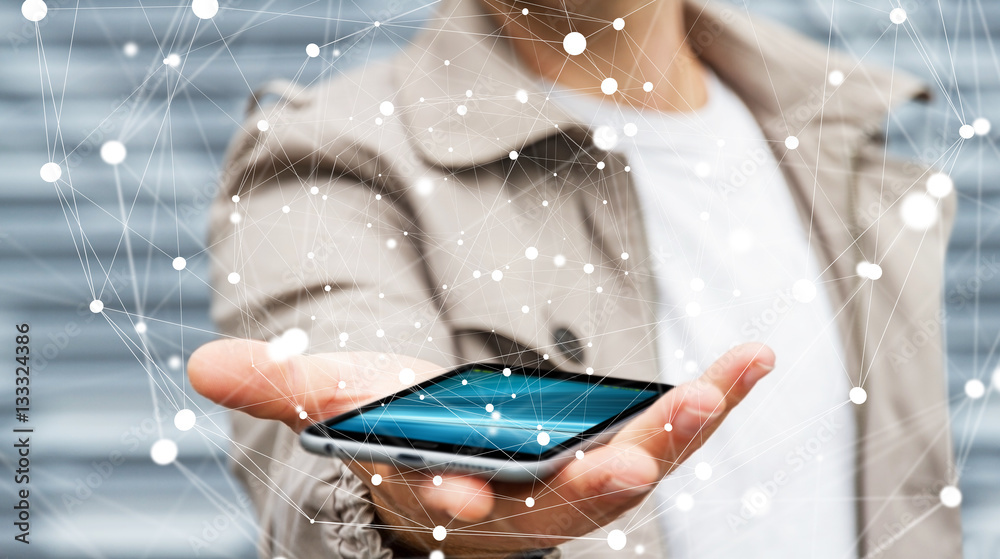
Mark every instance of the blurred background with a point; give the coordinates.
(172, 88)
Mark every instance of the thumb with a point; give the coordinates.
(301, 389)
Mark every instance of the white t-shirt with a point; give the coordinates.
(732, 263)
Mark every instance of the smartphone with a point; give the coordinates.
(512, 424)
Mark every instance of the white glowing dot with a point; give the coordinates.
(919, 211)
(588, 268)
(668, 427)
(312, 50)
(377, 24)
(609, 86)
(858, 395)
(477, 274)
(391, 244)
(605, 138)
(462, 110)
(804, 291)
(897, 16)
(647, 87)
(693, 309)
(521, 95)
(205, 9)
(624, 256)
(173, 60)
(559, 260)
(407, 376)
(303, 414)
(341, 385)
(685, 502)
(130, 49)
(525, 309)
(951, 497)
(740, 240)
(975, 389)
(600, 165)
(438, 480)
(263, 125)
(50, 172)
(174, 362)
(618, 24)
(966, 131)
(285, 209)
(380, 333)
(996, 379)
(940, 185)
(543, 438)
(437, 553)
(163, 452)
(293, 341)
(617, 540)
(386, 108)
(574, 43)
(868, 270)
(531, 253)
(703, 471)
(113, 152)
(489, 408)
(96, 306)
(836, 78)
(506, 371)
(376, 479)
(631, 129)
(791, 142)
(697, 284)
(512, 155)
(236, 198)
(34, 10)
(235, 218)
(579, 455)
(180, 263)
(529, 502)
(141, 327)
(447, 62)
(440, 533)
(702, 169)
(497, 275)
(314, 190)
(425, 187)
(184, 420)
(981, 126)
(524, 12)
(233, 278)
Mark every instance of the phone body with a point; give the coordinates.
(512, 424)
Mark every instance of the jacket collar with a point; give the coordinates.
(781, 76)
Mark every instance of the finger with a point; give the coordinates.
(651, 445)
(300, 389)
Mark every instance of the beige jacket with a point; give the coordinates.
(425, 177)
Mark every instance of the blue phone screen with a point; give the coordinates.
(483, 409)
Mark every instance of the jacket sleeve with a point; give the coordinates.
(323, 252)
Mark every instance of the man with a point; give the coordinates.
(622, 188)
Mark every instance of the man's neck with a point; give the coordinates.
(651, 48)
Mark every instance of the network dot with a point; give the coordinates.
(868, 270)
(703, 471)
(543, 438)
(529, 502)
(940, 185)
(668, 427)
(205, 9)
(579, 455)
(618, 24)
(574, 43)
(617, 540)
(440, 533)
(50, 172)
(950, 496)
(376, 479)
(588, 268)
(184, 419)
(531, 253)
(386, 108)
(791, 142)
(835, 78)
(497, 275)
(233, 278)
(407, 376)
(113, 152)
(263, 125)
(919, 211)
(647, 87)
(173, 60)
(130, 49)
(858, 395)
(34, 10)
(975, 389)
(96, 306)
(180, 263)
(609, 86)
(967, 131)
(163, 452)
(437, 481)
(312, 50)
(897, 16)
(981, 126)
(437, 553)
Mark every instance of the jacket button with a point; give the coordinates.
(567, 343)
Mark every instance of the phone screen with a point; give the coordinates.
(482, 411)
